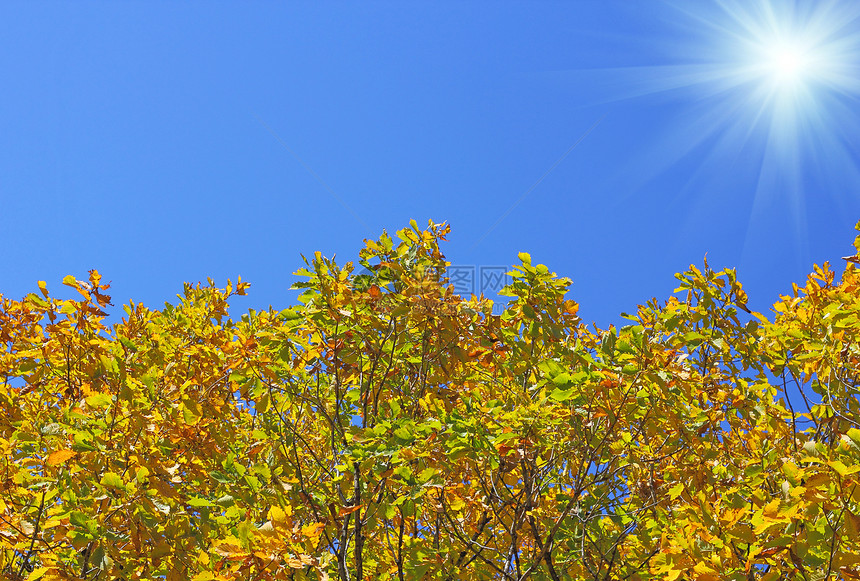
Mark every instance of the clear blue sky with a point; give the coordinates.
(163, 142)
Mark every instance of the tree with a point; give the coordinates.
(387, 428)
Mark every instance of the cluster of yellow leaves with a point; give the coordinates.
(123, 452)
(386, 427)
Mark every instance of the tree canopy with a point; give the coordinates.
(387, 428)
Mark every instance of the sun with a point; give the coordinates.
(787, 64)
(783, 73)
(768, 88)
(785, 58)
(805, 51)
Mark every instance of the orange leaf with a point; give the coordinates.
(313, 530)
(60, 456)
(348, 510)
(771, 551)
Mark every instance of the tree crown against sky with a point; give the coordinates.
(386, 427)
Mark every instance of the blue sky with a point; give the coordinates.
(170, 142)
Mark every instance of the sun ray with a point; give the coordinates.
(780, 77)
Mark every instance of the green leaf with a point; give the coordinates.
(190, 413)
(112, 480)
(83, 443)
(198, 501)
(563, 380)
(505, 436)
(389, 510)
(625, 347)
(128, 344)
(693, 338)
(427, 474)
(32, 297)
(400, 311)
(629, 369)
(244, 529)
(419, 571)
(290, 315)
(752, 470)
(98, 556)
(78, 519)
(27, 366)
(99, 400)
(404, 435)
(562, 394)
(262, 403)
(84, 522)
(225, 501)
(253, 482)
(403, 472)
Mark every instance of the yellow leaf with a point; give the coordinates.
(790, 511)
(790, 469)
(705, 573)
(771, 509)
(267, 529)
(313, 530)
(279, 516)
(838, 467)
(99, 400)
(818, 480)
(229, 549)
(676, 491)
(37, 573)
(457, 503)
(60, 457)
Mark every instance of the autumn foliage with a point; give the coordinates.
(386, 428)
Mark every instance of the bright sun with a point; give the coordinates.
(787, 63)
(775, 81)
